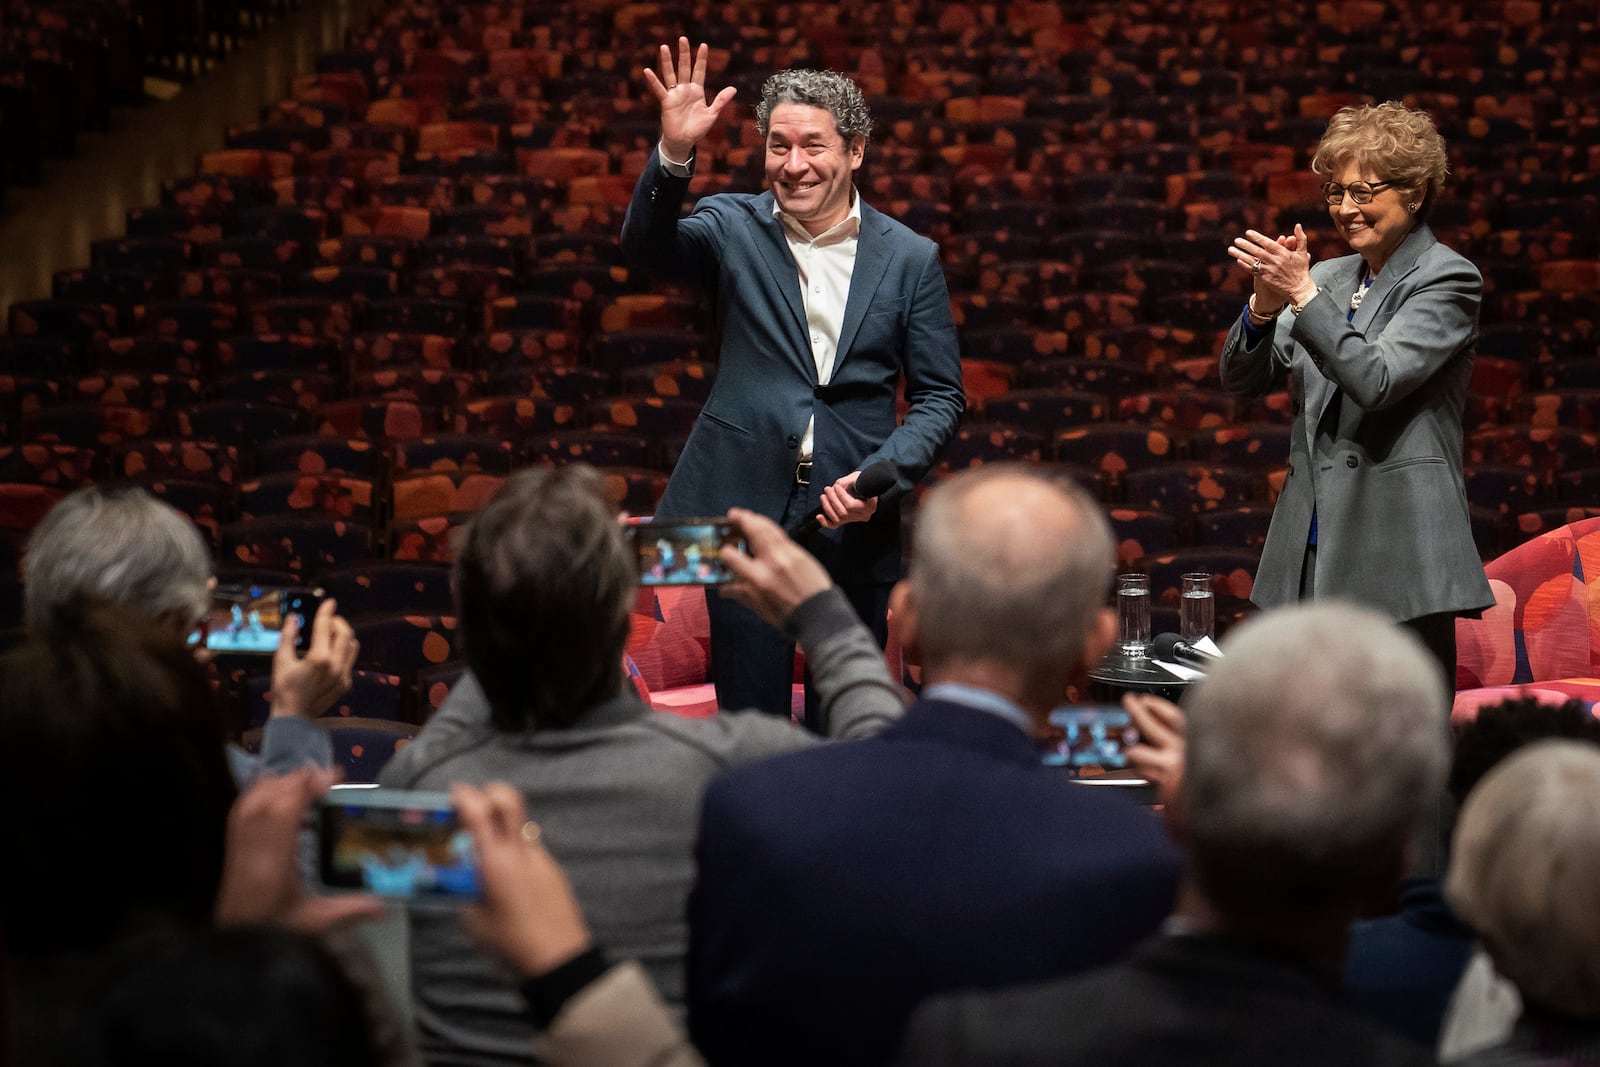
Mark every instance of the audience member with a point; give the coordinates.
(1401, 969)
(544, 581)
(1305, 778)
(113, 776)
(839, 887)
(125, 547)
(590, 1013)
(1524, 875)
(234, 997)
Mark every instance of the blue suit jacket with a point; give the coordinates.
(837, 888)
(746, 442)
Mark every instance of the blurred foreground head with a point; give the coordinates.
(1314, 752)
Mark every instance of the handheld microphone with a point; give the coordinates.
(1175, 649)
(874, 481)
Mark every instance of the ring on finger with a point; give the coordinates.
(531, 833)
(1255, 267)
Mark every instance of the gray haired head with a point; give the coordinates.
(123, 547)
(830, 91)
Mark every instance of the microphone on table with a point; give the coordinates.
(874, 481)
(1175, 649)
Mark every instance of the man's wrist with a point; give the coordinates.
(676, 155)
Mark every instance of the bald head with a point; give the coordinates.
(1011, 567)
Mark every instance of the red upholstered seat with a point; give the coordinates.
(1541, 633)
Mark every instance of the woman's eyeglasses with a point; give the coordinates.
(1360, 192)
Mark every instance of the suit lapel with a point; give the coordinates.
(1403, 262)
(774, 249)
(873, 254)
(1319, 390)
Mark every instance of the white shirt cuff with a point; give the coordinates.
(673, 167)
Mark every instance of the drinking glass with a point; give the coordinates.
(1197, 608)
(1133, 614)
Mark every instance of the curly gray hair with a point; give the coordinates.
(833, 92)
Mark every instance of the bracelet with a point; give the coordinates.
(1256, 317)
(1301, 306)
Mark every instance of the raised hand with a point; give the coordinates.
(777, 575)
(686, 117)
(1281, 269)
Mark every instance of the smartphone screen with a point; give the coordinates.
(249, 618)
(1092, 737)
(683, 553)
(396, 843)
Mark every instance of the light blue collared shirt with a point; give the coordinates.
(981, 700)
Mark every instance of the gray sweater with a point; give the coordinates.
(618, 798)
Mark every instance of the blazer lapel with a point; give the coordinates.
(1319, 390)
(1403, 262)
(873, 254)
(774, 249)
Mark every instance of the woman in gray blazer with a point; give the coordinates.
(1376, 349)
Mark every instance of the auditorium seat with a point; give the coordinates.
(1539, 637)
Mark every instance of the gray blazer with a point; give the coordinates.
(1376, 444)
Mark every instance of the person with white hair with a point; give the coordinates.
(1525, 874)
(1313, 753)
(123, 547)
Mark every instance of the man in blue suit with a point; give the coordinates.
(822, 307)
(837, 889)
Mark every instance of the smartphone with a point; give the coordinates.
(686, 552)
(395, 843)
(250, 618)
(1094, 736)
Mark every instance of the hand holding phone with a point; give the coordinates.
(773, 575)
(1093, 736)
(396, 843)
(529, 916)
(307, 685)
(261, 880)
(249, 619)
(683, 552)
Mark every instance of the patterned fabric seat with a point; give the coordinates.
(174, 457)
(1191, 488)
(62, 466)
(381, 587)
(298, 544)
(1141, 532)
(990, 442)
(481, 453)
(334, 495)
(423, 494)
(1540, 633)
(320, 454)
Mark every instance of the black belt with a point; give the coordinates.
(802, 472)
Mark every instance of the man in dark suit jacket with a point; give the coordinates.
(835, 893)
(1313, 755)
(822, 306)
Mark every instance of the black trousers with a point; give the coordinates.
(1437, 632)
(752, 663)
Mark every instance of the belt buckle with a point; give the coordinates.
(802, 472)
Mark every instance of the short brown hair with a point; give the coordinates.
(1400, 144)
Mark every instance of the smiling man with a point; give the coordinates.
(822, 307)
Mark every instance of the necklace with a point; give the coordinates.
(1361, 292)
